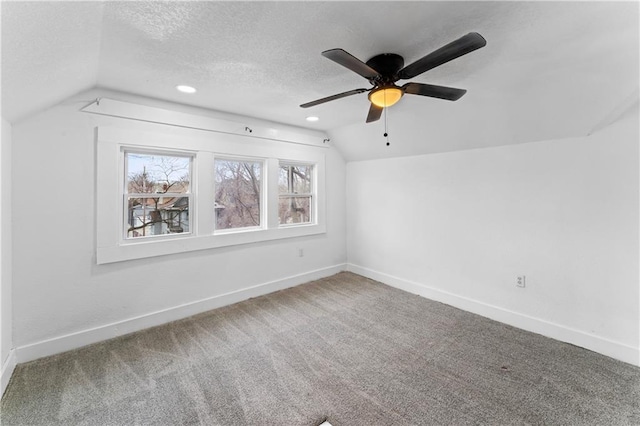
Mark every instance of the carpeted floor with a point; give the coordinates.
(344, 348)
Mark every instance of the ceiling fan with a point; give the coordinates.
(384, 70)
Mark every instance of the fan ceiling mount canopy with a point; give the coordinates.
(383, 71)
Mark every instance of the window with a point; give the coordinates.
(295, 187)
(238, 193)
(160, 193)
(157, 194)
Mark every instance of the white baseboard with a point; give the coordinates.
(7, 370)
(592, 342)
(78, 339)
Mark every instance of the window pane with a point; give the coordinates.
(301, 179)
(237, 203)
(283, 180)
(294, 210)
(156, 174)
(295, 179)
(149, 216)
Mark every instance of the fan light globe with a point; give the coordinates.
(385, 96)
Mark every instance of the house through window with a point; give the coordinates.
(157, 194)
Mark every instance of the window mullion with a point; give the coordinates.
(205, 200)
(272, 198)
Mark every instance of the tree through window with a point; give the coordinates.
(295, 185)
(238, 189)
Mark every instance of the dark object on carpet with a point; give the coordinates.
(346, 347)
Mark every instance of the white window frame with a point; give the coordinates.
(123, 184)
(204, 146)
(313, 205)
(263, 200)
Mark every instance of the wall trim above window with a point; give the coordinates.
(203, 148)
(128, 110)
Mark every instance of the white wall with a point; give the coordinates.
(459, 227)
(59, 291)
(5, 255)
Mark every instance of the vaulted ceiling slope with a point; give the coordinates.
(549, 70)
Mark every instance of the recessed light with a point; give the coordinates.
(312, 118)
(186, 89)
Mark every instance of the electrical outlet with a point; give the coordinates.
(521, 281)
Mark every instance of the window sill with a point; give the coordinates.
(152, 248)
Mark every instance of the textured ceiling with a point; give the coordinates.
(549, 70)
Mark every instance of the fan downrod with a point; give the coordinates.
(388, 65)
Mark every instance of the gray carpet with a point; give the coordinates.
(346, 348)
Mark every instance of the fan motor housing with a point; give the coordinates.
(387, 64)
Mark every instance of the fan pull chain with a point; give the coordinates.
(386, 133)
